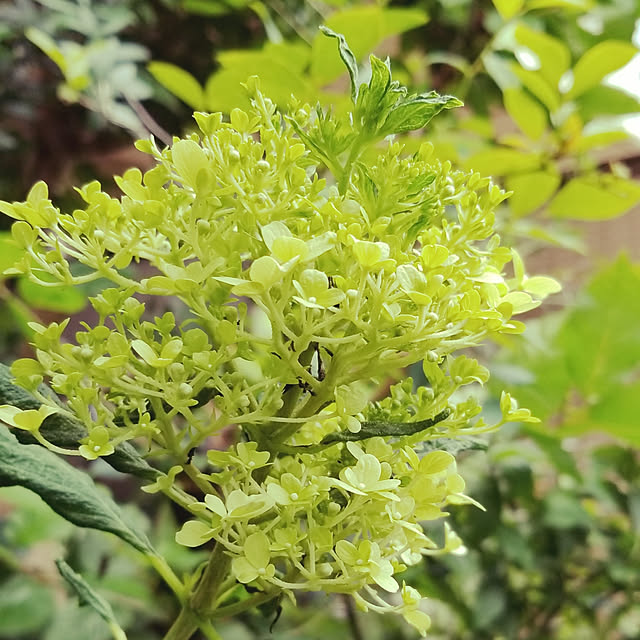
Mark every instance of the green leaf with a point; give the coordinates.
(87, 596)
(179, 82)
(10, 252)
(575, 5)
(595, 197)
(526, 112)
(538, 85)
(553, 55)
(64, 431)
(364, 28)
(26, 606)
(562, 510)
(501, 161)
(603, 100)
(531, 190)
(348, 58)
(617, 411)
(279, 66)
(508, 8)
(598, 62)
(62, 298)
(44, 42)
(68, 491)
(385, 429)
(416, 111)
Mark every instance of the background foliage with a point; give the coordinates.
(557, 554)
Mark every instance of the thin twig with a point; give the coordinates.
(148, 121)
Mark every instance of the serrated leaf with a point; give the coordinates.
(179, 82)
(416, 112)
(346, 55)
(602, 59)
(364, 28)
(67, 490)
(87, 596)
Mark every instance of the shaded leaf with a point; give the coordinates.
(87, 596)
(68, 491)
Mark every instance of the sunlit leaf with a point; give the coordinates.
(531, 190)
(364, 28)
(526, 112)
(508, 8)
(179, 82)
(599, 61)
(595, 197)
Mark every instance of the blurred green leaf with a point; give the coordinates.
(577, 5)
(553, 55)
(597, 62)
(508, 8)
(29, 520)
(538, 85)
(531, 190)
(280, 67)
(26, 606)
(213, 7)
(64, 298)
(364, 28)
(10, 252)
(562, 510)
(89, 597)
(595, 197)
(179, 82)
(526, 112)
(501, 161)
(606, 100)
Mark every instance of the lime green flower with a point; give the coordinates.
(411, 600)
(365, 477)
(27, 419)
(291, 491)
(97, 444)
(314, 292)
(366, 559)
(255, 563)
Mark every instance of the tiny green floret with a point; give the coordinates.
(309, 259)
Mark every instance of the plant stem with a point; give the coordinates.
(203, 600)
(185, 625)
(161, 566)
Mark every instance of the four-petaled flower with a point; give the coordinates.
(255, 563)
(367, 559)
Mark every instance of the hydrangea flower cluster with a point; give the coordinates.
(309, 260)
